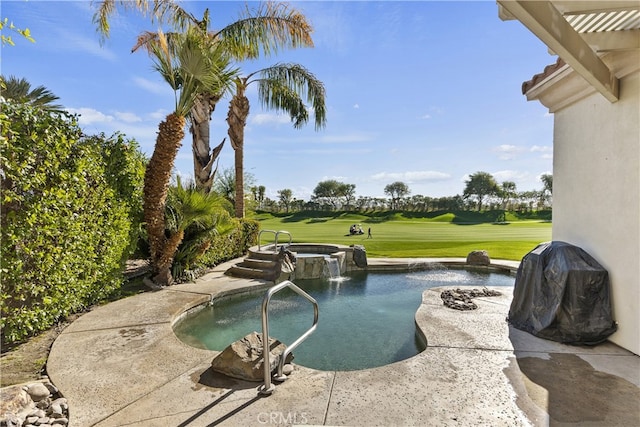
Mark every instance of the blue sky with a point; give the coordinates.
(423, 92)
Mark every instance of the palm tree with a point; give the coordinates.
(193, 218)
(281, 87)
(190, 67)
(20, 91)
(265, 30)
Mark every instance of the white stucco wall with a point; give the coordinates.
(596, 193)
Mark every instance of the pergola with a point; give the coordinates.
(578, 31)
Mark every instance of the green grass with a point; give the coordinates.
(408, 236)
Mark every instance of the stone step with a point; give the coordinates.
(259, 264)
(264, 255)
(250, 273)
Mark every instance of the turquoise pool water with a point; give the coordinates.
(365, 321)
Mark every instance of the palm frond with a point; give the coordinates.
(267, 29)
(285, 87)
(171, 11)
(20, 91)
(107, 8)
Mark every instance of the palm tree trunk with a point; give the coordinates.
(203, 157)
(237, 119)
(156, 186)
(165, 258)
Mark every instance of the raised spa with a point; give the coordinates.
(365, 321)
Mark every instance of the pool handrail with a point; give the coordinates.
(268, 387)
(276, 234)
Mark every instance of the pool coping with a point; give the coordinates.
(121, 364)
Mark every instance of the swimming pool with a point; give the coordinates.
(365, 321)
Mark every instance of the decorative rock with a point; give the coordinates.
(55, 409)
(460, 299)
(287, 369)
(243, 359)
(37, 413)
(15, 405)
(52, 389)
(44, 403)
(38, 391)
(360, 256)
(18, 409)
(478, 258)
(62, 402)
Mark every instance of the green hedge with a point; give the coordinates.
(233, 244)
(71, 209)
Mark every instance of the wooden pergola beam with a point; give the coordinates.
(544, 20)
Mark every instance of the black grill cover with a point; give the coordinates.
(561, 293)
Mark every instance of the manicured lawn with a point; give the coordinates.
(416, 237)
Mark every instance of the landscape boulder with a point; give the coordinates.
(360, 256)
(478, 258)
(243, 358)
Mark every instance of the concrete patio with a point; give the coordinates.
(122, 365)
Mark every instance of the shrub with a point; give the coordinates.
(199, 217)
(233, 244)
(70, 215)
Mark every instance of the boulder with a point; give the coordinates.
(478, 258)
(243, 358)
(360, 256)
(15, 405)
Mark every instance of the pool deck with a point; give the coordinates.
(122, 365)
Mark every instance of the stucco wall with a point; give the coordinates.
(596, 193)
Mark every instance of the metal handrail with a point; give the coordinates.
(282, 232)
(260, 236)
(269, 388)
(276, 234)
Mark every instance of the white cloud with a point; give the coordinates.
(412, 176)
(269, 119)
(542, 148)
(356, 106)
(546, 150)
(506, 151)
(426, 116)
(127, 117)
(90, 116)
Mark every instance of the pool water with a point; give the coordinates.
(365, 321)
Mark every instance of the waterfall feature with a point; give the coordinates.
(332, 268)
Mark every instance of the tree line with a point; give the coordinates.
(481, 192)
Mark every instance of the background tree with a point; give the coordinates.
(20, 91)
(282, 87)
(329, 191)
(507, 193)
(396, 191)
(225, 185)
(348, 192)
(261, 194)
(480, 185)
(547, 191)
(285, 196)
